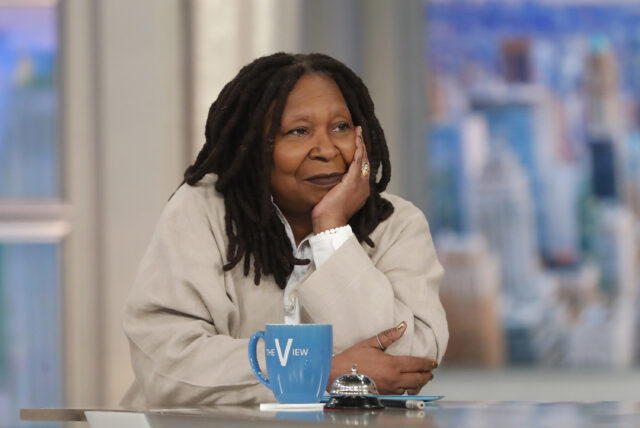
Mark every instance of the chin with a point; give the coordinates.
(315, 200)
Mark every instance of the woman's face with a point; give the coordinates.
(314, 146)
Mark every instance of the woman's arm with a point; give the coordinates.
(362, 294)
(178, 316)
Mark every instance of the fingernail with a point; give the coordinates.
(401, 326)
(435, 365)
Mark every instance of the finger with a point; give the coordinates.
(400, 391)
(360, 150)
(408, 364)
(356, 163)
(414, 381)
(389, 336)
(365, 157)
(409, 391)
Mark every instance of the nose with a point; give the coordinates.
(323, 148)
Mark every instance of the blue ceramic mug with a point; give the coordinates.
(298, 360)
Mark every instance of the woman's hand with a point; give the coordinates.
(347, 197)
(392, 374)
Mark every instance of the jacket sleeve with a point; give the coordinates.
(362, 295)
(177, 317)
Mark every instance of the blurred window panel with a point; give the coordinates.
(29, 149)
(30, 345)
(33, 218)
(533, 158)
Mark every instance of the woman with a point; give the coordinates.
(281, 219)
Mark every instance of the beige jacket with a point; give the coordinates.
(188, 322)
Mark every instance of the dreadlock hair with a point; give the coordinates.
(237, 150)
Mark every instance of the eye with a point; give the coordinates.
(342, 127)
(298, 131)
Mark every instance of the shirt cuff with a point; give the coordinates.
(325, 243)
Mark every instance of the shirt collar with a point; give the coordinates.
(287, 228)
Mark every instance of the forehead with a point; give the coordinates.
(313, 92)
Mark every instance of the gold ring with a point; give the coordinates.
(364, 168)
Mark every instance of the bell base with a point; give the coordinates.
(353, 402)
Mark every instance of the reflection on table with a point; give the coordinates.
(445, 414)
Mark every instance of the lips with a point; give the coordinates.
(325, 179)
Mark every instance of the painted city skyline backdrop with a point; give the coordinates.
(533, 160)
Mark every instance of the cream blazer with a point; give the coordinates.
(188, 322)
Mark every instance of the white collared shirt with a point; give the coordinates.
(318, 249)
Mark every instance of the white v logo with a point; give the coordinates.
(285, 357)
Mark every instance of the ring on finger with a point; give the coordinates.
(364, 168)
(380, 343)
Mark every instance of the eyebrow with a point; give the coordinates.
(305, 116)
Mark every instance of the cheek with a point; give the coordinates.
(286, 160)
(348, 150)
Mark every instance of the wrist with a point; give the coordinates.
(323, 224)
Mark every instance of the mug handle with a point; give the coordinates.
(253, 359)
